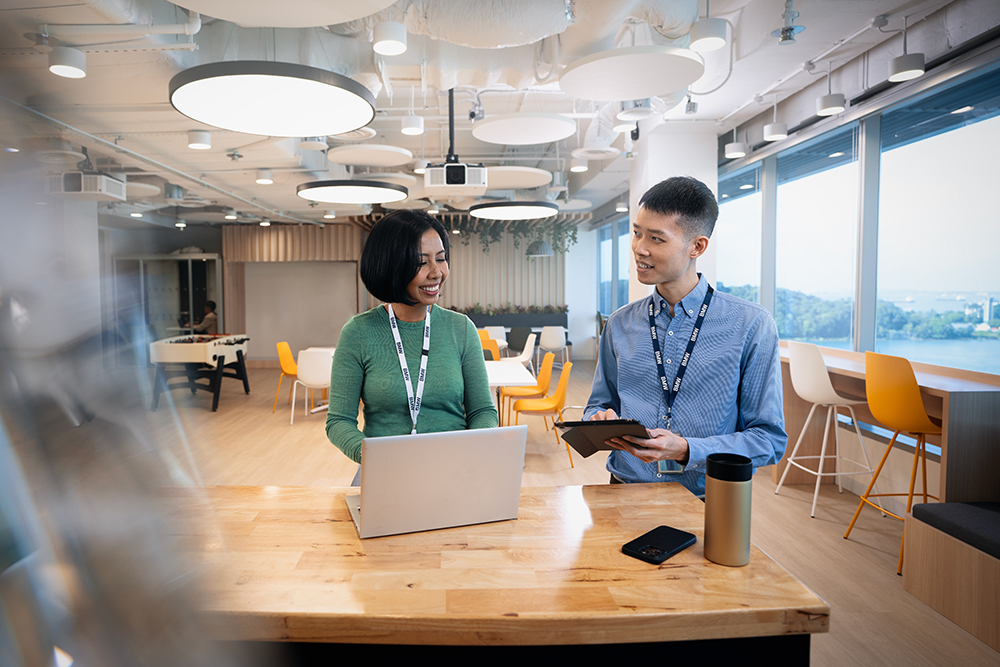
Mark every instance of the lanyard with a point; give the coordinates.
(670, 391)
(414, 401)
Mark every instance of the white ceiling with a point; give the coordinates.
(488, 50)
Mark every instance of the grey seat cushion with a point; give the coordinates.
(976, 524)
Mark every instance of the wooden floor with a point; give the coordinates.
(874, 621)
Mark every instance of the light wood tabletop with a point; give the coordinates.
(286, 564)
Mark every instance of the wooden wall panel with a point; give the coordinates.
(291, 243)
(234, 299)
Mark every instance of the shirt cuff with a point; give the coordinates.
(698, 451)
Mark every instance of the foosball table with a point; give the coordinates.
(195, 357)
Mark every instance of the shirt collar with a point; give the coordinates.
(689, 305)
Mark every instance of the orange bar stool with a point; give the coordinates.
(551, 406)
(510, 394)
(894, 400)
(288, 369)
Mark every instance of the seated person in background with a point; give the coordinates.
(387, 354)
(210, 323)
(700, 370)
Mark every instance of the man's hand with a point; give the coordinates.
(603, 415)
(660, 446)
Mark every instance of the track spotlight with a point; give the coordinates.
(413, 125)
(907, 66)
(832, 103)
(419, 166)
(389, 38)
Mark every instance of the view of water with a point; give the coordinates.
(973, 354)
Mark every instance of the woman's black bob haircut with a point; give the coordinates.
(391, 256)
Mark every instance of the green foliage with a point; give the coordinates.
(510, 309)
(560, 235)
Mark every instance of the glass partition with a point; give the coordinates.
(737, 234)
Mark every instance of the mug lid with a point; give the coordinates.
(729, 467)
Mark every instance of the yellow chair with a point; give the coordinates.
(510, 394)
(552, 406)
(491, 345)
(894, 400)
(483, 334)
(288, 369)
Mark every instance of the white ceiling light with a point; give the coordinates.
(264, 177)
(708, 34)
(352, 192)
(255, 97)
(965, 109)
(514, 210)
(635, 110)
(313, 144)
(521, 129)
(907, 66)
(419, 166)
(389, 38)
(746, 186)
(736, 149)
(786, 33)
(370, 155)
(230, 214)
(413, 125)
(621, 206)
(831, 103)
(265, 223)
(434, 210)
(330, 214)
(624, 126)
(180, 224)
(199, 140)
(516, 178)
(577, 165)
(68, 62)
(631, 73)
(136, 214)
(775, 131)
(538, 249)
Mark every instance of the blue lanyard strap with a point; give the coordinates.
(670, 391)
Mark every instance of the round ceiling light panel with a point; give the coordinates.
(256, 97)
(351, 192)
(406, 180)
(516, 178)
(522, 129)
(514, 210)
(298, 14)
(631, 73)
(361, 134)
(370, 155)
(576, 205)
(596, 152)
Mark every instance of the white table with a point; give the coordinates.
(508, 374)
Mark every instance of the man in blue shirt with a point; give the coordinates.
(715, 383)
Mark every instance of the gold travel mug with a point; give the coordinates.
(727, 509)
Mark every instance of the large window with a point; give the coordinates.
(938, 275)
(816, 230)
(737, 235)
(614, 255)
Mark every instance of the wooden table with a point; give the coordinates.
(286, 564)
(966, 403)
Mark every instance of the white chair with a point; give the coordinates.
(553, 339)
(499, 334)
(527, 354)
(811, 382)
(314, 373)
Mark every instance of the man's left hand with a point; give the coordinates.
(661, 445)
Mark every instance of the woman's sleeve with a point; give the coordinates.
(480, 412)
(347, 376)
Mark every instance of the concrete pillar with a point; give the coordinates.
(679, 148)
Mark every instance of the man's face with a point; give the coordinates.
(662, 252)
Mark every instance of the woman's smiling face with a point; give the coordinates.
(425, 288)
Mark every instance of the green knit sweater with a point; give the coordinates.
(366, 367)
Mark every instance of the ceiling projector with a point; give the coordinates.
(455, 179)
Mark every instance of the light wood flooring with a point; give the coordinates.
(874, 621)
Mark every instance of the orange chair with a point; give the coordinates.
(552, 406)
(510, 394)
(491, 345)
(483, 334)
(894, 400)
(288, 369)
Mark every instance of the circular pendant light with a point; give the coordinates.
(521, 129)
(68, 62)
(271, 98)
(905, 67)
(631, 73)
(708, 35)
(830, 105)
(514, 210)
(352, 192)
(775, 131)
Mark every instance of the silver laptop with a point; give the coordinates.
(427, 481)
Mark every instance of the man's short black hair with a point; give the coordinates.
(687, 198)
(391, 256)
(210, 305)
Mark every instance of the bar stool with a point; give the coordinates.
(811, 382)
(894, 400)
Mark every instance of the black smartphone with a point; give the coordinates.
(659, 544)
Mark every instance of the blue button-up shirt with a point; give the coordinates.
(730, 400)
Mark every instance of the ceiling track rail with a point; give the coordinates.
(162, 167)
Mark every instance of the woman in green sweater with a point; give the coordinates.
(404, 263)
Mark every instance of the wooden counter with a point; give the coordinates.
(965, 402)
(286, 564)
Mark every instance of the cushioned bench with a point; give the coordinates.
(953, 564)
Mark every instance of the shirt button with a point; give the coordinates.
(670, 333)
(659, 474)
(664, 418)
(690, 312)
(668, 361)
